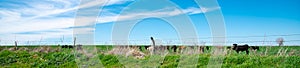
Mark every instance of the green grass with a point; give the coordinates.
(66, 59)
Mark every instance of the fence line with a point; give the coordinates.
(165, 41)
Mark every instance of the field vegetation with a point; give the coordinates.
(266, 57)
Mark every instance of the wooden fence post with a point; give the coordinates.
(74, 42)
(153, 43)
(16, 45)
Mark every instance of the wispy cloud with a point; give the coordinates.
(50, 19)
(165, 12)
(55, 18)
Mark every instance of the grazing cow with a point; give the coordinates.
(239, 48)
(70, 46)
(67, 46)
(170, 47)
(202, 48)
(174, 47)
(254, 47)
(181, 48)
(64, 46)
(145, 47)
(140, 47)
(229, 47)
(207, 47)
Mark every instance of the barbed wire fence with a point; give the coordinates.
(266, 40)
(259, 40)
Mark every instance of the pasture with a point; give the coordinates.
(266, 57)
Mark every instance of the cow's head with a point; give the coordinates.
(234, 46)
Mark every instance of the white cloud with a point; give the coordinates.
(84, 4)
(165, 12)
(41, 19)
(8, 16)
(205, 9)
(36, 25)
(192, 10)
(39, 26)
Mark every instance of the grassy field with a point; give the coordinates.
(266, 57)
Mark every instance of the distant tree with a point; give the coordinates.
(280, 41)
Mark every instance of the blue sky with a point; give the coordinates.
(52, 21)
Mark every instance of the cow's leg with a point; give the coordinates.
(237, 51)
(146, 47)
(207, 48)
(202, 50)
(192, 47)
(168, 48)
(174, 49)
(179, 48)
(140, 47)
(247, 51)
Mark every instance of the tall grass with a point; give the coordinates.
(266, 57)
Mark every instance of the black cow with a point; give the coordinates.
(207, 47)
(146, 47)
(229, 47)
(141, 47)
(204, 47)
(70, 46)
(64, 46)
(67, 46)
(239, 48)
(174, 47)
(254, 47)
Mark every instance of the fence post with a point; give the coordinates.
(16, 45)
(153, 43)
(74, 42)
